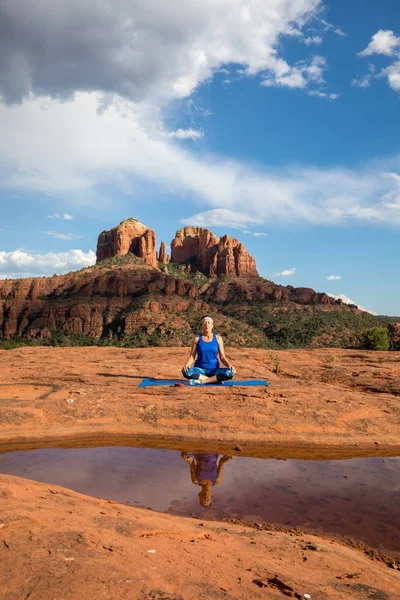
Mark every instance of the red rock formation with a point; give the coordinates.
(246, 289)
(90, 302)
(162, 255)
(210, 255)
(129, 236)
(105, 301)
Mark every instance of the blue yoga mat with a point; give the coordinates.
(170, 382)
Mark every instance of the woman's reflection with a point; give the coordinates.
(205, 470)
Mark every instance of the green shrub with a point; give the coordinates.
(376, 338)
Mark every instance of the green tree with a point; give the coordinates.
(376, 338)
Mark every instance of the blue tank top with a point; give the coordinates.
(207, 467)
(207, 353)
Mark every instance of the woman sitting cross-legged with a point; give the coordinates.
(208, 348)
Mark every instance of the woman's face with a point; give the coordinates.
(207, 326)
(205, 497)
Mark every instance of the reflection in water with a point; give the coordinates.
(357, 497)
(205, 470)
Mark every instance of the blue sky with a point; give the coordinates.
(275, 121)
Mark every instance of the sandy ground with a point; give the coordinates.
(56, 544)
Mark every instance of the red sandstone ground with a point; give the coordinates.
(55, 543)
(329, 402)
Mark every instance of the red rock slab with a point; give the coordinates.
(320, 403)
(55, 543)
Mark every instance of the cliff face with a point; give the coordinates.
(94, 302)
(212, 256)
(244, 290)
(129, 236)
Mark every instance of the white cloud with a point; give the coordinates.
(363, 81)
(383, 41)
(285, 273)
(320, 94)
(221, 217)
(62, 236)
(64, 216)
(298, 76)
(259, 234)
(123, 148)
(346, 300)
(20, 263)
(314, 39)
(339, 31)
(333, 277)
(392, 199)
(142, 49)
(393, 75)
(185, 134)
(387, 43)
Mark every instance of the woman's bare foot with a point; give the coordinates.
(196, 381)
(202, 379)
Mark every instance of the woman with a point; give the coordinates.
(208, 348)
(205, 470)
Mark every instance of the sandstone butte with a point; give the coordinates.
(129, 236)
(211, 255)
(194, 246)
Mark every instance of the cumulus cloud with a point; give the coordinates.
(139, 49)
(333, 277)
(21, 263)
(348, 300)
(62, 236)
(64, 216)
(120, 148)
(299, 76)
(185, 134)
(393, 75)
(221, 217)
(285, 273)
(387, 43)
(383, 41)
